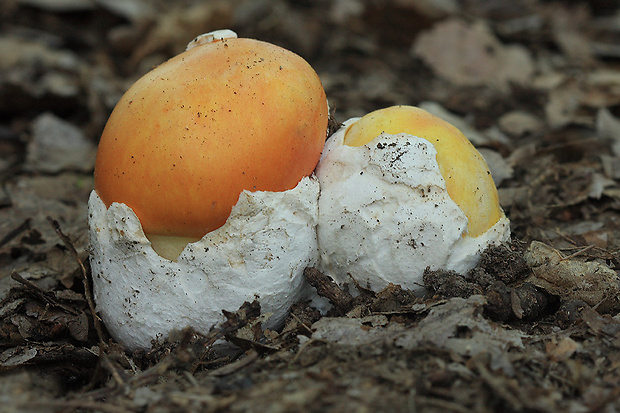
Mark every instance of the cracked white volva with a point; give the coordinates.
(385, 214)
(260, 252)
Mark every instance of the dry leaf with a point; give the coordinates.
(518, 123)
(567, 32)
(57, 145)
(574, 278)
(470, 55)
(563, 104)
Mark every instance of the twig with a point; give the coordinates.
(500, 390)
(581, 251)
(250, 357)
(87, 291)
(15, 232)
(42, 294)
(304, 325)
(326, 287)
(444, 405)
(113, 370)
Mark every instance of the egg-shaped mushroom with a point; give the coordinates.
(204, 195)
(402, 191)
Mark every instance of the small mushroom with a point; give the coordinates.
(402, 190)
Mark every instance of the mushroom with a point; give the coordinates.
(402, 190)
(204, 195)
(224, 116)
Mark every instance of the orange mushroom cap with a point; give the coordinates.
(187, 138)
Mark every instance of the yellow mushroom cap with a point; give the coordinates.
(468, 179)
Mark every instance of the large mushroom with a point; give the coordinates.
(203, 190)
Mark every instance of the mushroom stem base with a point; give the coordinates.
(168, 246)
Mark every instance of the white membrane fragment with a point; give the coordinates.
(260, 252)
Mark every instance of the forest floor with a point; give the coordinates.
(535, 85)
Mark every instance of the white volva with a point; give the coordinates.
(261, 252)
(385, 214)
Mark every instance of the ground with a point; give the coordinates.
(535, 85)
